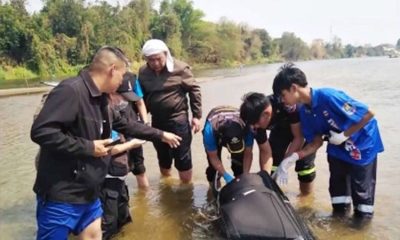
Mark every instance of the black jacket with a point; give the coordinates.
(165, 95)
(75, 114)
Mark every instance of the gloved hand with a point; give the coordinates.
(337, 138)
(281, 174)
(227, 177)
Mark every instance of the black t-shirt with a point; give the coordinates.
(282, 116)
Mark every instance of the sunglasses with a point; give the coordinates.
(118, 53)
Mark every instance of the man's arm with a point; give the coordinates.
(312, 147)
(247, 159)
(265, 156)
(193, 89)
(58, 114)
(216, 162)
(354, 128)
(298, 139)
(142, 110)
(142, 131)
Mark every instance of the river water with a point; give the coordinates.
(170, 211)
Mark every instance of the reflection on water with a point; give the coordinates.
(171, 211)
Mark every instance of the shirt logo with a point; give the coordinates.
(354, 152)
(349, 109)
(234, 140)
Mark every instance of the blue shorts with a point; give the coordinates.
(56, 220)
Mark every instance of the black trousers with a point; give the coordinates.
(280, 139)
(115, 203)
(136, 161)
(181, 155)
(352, 182)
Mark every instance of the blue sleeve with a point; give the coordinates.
(249, 139)
(348, 110)
(138, 89)
(209, 138)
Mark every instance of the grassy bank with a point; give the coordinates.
(18, 77)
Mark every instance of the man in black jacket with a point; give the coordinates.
(73, 130)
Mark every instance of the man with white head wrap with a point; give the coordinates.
(166, 82)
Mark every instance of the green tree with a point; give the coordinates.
(266, 42)
(335, 49)
(350, 51)
(398, 44)
(293, 48)
(167, 26)
(65, 16)
(13, 38)
(190, 21)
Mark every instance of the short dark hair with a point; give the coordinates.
(288, 74)
(252, 107)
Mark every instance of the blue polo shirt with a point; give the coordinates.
(210, 142)
(334, 110)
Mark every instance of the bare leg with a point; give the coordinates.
(186, 176)
(92, 231)
(306, 188)
(165, 172)
(142, 181)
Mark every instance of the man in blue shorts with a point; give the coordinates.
(73, 130)
(225, 128)
(352, 132)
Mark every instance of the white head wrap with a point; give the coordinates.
(156, 46)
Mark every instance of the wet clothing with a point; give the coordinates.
(355, 159)
(182, 155)
(360, 186)
(75, 114)
(56, 220)
(165, 94)
(115, 203)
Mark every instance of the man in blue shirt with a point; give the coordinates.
(352, 132)
(225, 128)
(264, 113)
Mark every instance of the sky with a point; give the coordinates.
(356, 22)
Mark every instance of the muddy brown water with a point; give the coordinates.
(170, 211)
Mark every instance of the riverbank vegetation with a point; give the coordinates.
(62, 37)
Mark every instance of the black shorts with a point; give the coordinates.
(181, 155)
(279, 141)
(115, 203)
(136, 161)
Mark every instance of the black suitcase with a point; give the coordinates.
(254, 207)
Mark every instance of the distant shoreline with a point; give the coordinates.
(22, 91)
(35, 90)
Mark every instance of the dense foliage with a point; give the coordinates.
(65, 33)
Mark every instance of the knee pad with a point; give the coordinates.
(307, 178)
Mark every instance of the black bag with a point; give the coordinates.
(254, 207)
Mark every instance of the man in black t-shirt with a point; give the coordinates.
(262, 113)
